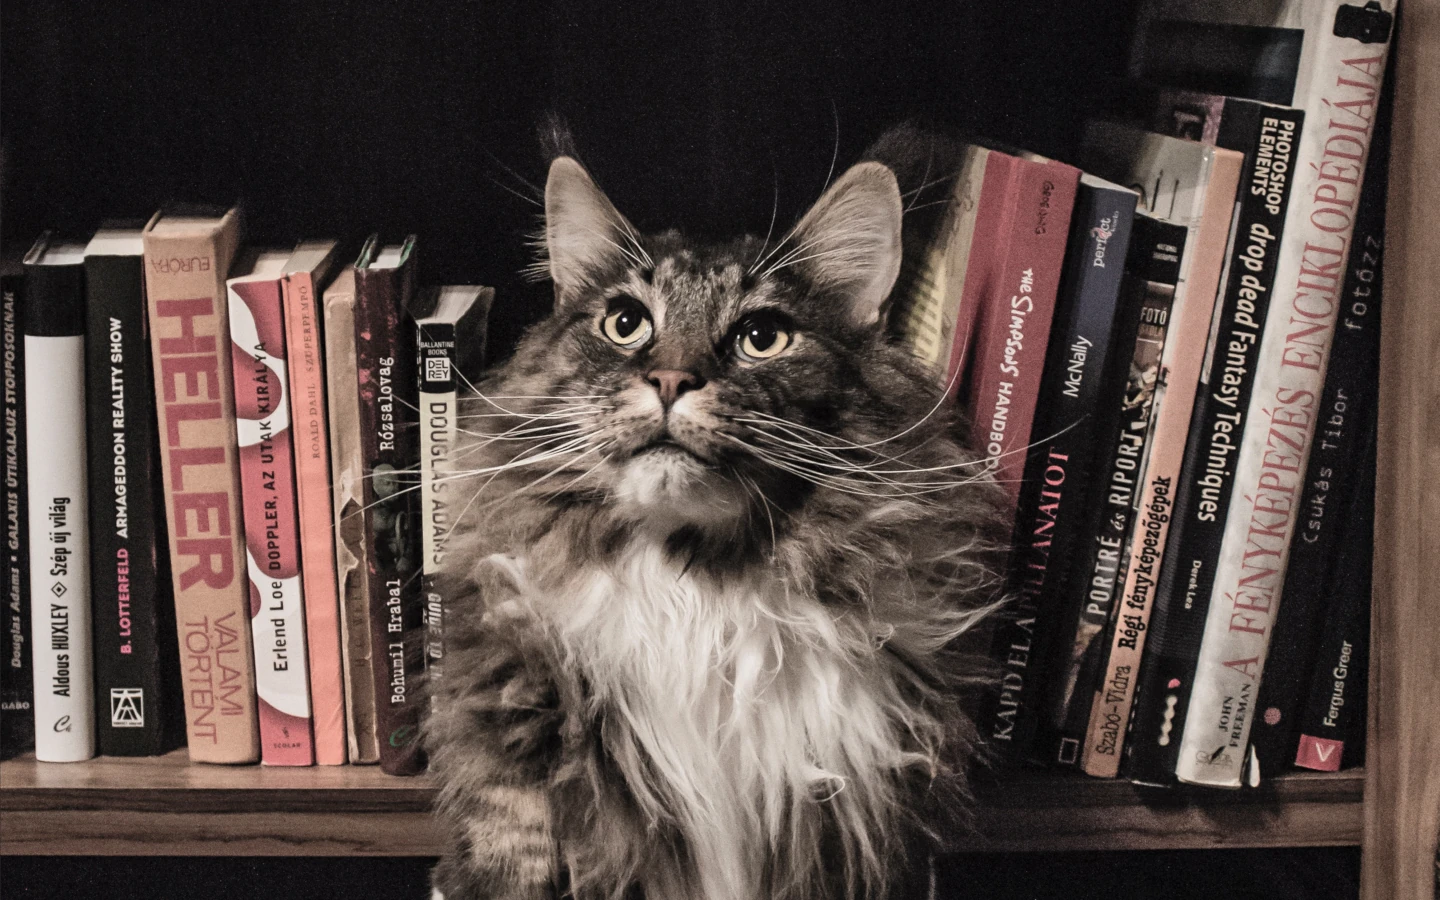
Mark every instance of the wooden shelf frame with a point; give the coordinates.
(164, 806)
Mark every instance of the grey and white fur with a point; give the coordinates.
(720, 541)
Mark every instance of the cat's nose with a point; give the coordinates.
(671, 383)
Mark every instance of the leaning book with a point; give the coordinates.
(1341, 97)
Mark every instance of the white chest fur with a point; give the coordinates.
(743, 708)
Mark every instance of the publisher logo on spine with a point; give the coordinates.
(127, 707)
(437, 368)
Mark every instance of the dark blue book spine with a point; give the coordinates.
(1061, 463)
(1267, 135)
(17, 672)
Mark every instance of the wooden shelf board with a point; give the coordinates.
(165, 806)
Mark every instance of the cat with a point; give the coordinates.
(719, 543)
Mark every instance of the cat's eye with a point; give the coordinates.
(627, 323)
(761, 336)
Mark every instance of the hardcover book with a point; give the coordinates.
(58, 501)
(352, 579)
(385, 360)
(1269, 136)
(187, 256)
(1060, 463)
(305, 274)
(1341, 102)
(1193, 186)
(272, 520)
(17, 673)
(462, 309)
(138, 709)
(1352, 381)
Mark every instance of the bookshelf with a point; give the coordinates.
(165, 807)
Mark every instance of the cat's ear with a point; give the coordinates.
(584, 233)
(851, 240)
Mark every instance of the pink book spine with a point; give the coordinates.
(272, 539)
(317, 539)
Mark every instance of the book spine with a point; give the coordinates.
(1015, 314)
(1077, 401)
(1158, 274)
(136, 656)
(1208, 229)
(386, 366)
(1201, 499)
(1352, 381)
(59, 526)
(1010, 365)
(1059, 465)
(436, 380)
(305, 367)
(1270, 463)
(17, 671)
(1092, 568)
(1333, 716)
(195, 406)
(272, 522)
(352, 580)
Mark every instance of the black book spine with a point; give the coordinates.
(17, 671)
(137, 679)
(1059, 465)
(1091, 582)
(1268, 136)
(1332, 720)
(1352, 380)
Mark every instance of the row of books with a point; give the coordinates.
(213, 524)
(1170, 355)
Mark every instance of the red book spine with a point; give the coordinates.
(272, 529)
(1015, 314)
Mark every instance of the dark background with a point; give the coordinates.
(336, 119)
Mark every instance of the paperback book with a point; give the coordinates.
(57, 499)
(272, 520)
(187, 256)
(138, 709)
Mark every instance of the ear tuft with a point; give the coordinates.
(851, 240)
(584, 234)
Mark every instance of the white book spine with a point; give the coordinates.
(1340, 110)
(437, 396)
(59, 548)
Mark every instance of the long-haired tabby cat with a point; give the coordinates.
(719, 538)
